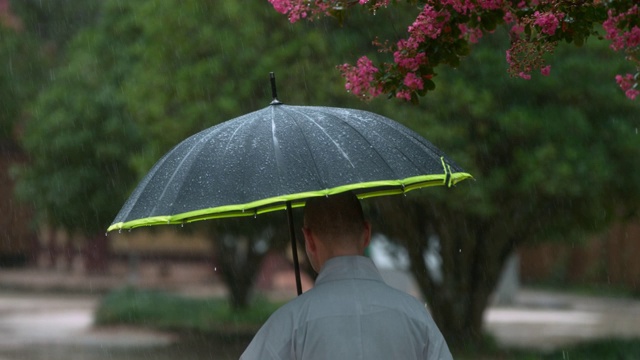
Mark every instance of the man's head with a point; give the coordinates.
(334, 226)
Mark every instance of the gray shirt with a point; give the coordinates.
(349, 314)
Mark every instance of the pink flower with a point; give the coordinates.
(517, 29)
(615, 29)
(632, 93)
(509, 57)
(548, 21)
(404, 94)
(360, 79)
(525, 75)
(412, 81)
(625, 82)
(509, 17)
(474, 34)
(546, 70)
(428, 24)
(628, 84)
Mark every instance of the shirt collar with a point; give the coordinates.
(348, 267)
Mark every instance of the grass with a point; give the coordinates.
(604, 349)
(165, 311)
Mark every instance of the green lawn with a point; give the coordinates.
(165, 311)
(605, 349)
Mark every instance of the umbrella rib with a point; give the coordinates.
(344, 154)
(201, 143)
(276, 147)
(170, 181)
(356, 130)
(229, 142)
(307, 146)
(416, 140)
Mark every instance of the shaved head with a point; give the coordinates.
(335, 218)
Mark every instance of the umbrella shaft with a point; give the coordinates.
(294, 248)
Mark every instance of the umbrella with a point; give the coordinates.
(276, 158)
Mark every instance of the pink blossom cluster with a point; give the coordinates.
(7, 18)
(360, 79)
(442, 23)
(469, 6)
(471, 33)
(527, 53)
(374, 4)
(628, 84)
(300, 9)
(620, 38)
(412, 82)
(407, 55)
(625, 38)
(548, 21)
(429, 24)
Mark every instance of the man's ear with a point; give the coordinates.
(309, 240)
(367, 234)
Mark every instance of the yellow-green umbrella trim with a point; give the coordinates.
(363, 190)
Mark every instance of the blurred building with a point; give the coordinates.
(18, 243)
(610, 258)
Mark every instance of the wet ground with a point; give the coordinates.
(54, 321)
(39, 326)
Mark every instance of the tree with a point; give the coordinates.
(19, 54)
(554, 160)
(142, 78)
(443, 32)
(79, 137)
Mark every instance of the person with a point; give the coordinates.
(350, 313)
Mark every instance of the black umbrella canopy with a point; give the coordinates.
(260, 161)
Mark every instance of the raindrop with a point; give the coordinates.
(460, 251)
(119, 231)
(215, 268)
(106, 234)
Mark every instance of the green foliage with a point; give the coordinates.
(20, 70)
(161, 310)
(200, 63)
(55, 22)
(556, 153)
(80, 139)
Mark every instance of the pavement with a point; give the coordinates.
(40, 305)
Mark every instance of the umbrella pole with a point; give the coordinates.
(294, 248)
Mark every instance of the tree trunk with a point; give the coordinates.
(239, 263)
(240, 245)
(473, 254)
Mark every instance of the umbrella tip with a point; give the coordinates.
(274, 92)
